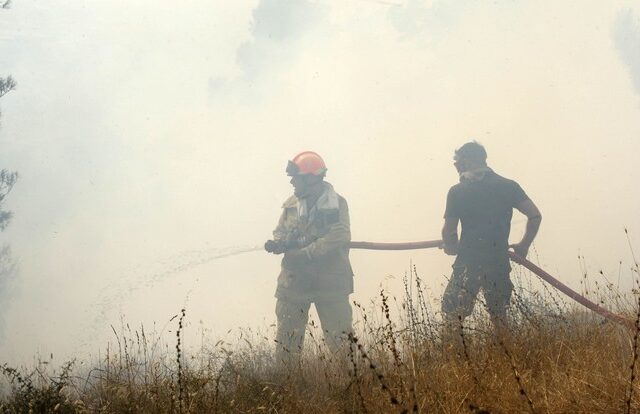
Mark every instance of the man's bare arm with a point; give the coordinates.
(534, 218)
(450, 236)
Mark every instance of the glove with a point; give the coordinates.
(292, 242)
(274, 246)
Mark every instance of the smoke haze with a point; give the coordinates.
(152, 135)
(627, 37)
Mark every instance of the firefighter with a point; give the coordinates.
(313, 234)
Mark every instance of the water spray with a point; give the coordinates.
(179, 263)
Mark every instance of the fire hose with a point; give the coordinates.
(517, 259)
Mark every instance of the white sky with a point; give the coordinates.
(143, 130)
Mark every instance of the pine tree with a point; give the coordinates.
(8, 266)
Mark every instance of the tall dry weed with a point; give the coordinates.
(555, 358)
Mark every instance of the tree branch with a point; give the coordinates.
(6, 85)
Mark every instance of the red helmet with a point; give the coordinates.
(307, 162)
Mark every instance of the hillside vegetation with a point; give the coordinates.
(554, 359)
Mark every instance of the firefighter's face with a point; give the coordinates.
(303, 184)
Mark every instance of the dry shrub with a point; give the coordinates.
(554, 359)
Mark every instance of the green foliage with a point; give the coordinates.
(7, 85)
(7, 181)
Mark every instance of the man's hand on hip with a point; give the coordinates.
(521, 249)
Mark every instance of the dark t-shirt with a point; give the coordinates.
(484, 208)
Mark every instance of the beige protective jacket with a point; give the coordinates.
(321, 270)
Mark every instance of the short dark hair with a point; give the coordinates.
(472, 151)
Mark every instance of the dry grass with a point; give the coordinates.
(555, 359)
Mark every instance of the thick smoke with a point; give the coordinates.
(126, 159)
(277, 26)
(417, 16)
(8, 266)
(277, 29)
(8, 274)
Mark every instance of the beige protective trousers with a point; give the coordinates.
(335, 319)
